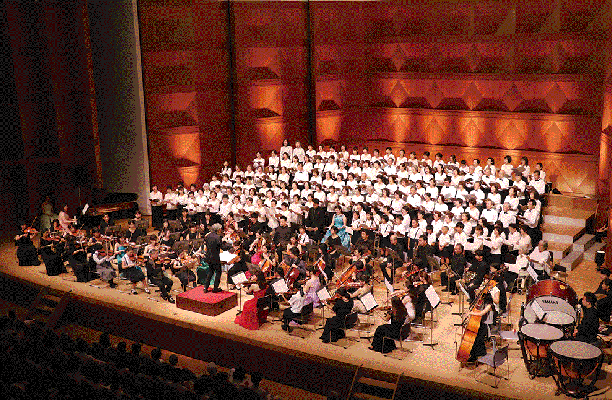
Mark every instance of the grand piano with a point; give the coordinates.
(117, 205)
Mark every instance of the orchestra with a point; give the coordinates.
(334, 220)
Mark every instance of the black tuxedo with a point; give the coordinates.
(316, 218)
(213, 250)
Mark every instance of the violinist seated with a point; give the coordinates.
(26, 251)
(397, 317)
(105, 270)
(334, 326)
(253, 314)
(305, 295)
(365, 288)
(294, 261)
(53, 258)
(152, 245)
(155, 272)
(191, 233)
(132, 271)
(239, 264)
(166, 242)
(77, 259)
(181, 267)
(422, 253)
(480, 268)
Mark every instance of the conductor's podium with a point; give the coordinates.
(207, 303)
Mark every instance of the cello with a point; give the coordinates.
(473, 324)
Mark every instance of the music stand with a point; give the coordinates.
(323, 295)
(280, 287)
(462, 293)
(434, 301)
(239, 279)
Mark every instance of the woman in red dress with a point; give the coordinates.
(253, 316)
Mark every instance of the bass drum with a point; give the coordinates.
(551, 287)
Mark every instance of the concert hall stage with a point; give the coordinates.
(299, 359)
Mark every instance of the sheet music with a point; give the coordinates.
(432, 296)
(389, 287)
(280, 286)
(323, 294)
(532, 273)
(462, 288)
(514, 268)
(226, 256)
(369, 302)
(239, 278)
(537, 309)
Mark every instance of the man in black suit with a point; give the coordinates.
(213, 251)
(315, 221)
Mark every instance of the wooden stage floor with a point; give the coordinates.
(435, 364)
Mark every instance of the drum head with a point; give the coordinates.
(575, 349)
(542, 332)
(556, 310)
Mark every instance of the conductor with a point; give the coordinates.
(213, 250)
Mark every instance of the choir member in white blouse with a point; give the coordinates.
(507, 166)
(286, 149)
(311, 151)
(299, 152)
(258, 161)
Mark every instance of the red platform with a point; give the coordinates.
(207, 303)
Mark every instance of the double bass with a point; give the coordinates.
(473, 324)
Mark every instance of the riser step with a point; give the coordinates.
(584, 243)
(559, 250)
(589, 255)
(554, 219)
(365, 396)
(553, 237)
(565, 201)
(376, 383)
(563, 232)
(572, 260)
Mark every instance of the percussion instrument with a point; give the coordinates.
(557, 312)
(535, 340)
(573, 363)
(551, 287)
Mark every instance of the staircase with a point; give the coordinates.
(373, 385)
(47, 308)
(565, 222)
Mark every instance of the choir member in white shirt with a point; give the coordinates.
(170, 199)
(489, 213)
(540, 257)
(311, 151)
(258, 161)
(441, 205)
(457, 209)
(537, 183)
(524, 167)
(507, 216)
(460, 237)
(447, 190)
(157, 211)
(286, 149)
(507, 166)
(365, 156)
(298, 152)
(495, 244)
(524, 242)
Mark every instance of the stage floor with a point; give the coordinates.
(435, 364)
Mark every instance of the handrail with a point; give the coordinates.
(350, 392)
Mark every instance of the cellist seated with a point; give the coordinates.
(487, 318)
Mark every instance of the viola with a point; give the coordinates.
(292, 276)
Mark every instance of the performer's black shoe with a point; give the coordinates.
(217, 290)
(170, 300)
